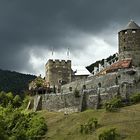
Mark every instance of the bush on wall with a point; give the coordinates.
(113, 104)
(135, 98)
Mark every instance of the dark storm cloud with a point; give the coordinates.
(25, 24)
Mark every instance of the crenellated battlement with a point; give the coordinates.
(58, 63)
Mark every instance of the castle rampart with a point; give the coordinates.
(123, 83)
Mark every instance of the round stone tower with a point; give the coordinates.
(129, 43)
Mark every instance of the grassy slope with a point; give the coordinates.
(127, 122)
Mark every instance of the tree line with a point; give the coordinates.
(14, 81)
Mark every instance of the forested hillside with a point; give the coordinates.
(14, 81)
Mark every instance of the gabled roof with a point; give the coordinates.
(131, 25)
(80, 70)
(121, 64)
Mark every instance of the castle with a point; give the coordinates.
(120, 77)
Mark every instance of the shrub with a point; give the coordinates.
(135, 98)
(3, 135)
(90, 126)
(108, 134)
(10, 97)
(113, 104)
(25, 102)
(15, 125)
(17, 101)
(37, 128)
(3, 99)
(7, 99)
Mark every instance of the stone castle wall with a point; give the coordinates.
(79, 77)
(56, 102)
(126, 83)
(70, 103)
(92, 82)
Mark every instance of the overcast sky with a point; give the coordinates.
(30, 29)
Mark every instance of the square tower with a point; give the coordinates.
(58, 72)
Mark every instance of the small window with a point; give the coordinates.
(99, 85)
(84, 86)
(125, 32)
(70, 88)
(133, 31)
(59, 81)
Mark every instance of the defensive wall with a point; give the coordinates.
(122, 83)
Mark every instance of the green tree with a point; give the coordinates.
(3, 99)
(17, 125)
(17, 101)
(3, 135)
(10, 97)
(37, 128)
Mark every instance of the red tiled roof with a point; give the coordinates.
(121, 64)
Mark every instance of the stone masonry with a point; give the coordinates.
(97, 88)
(129, 43)
(58, 72)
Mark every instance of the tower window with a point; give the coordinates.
(133, 31)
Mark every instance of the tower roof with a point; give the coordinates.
(131, 25)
